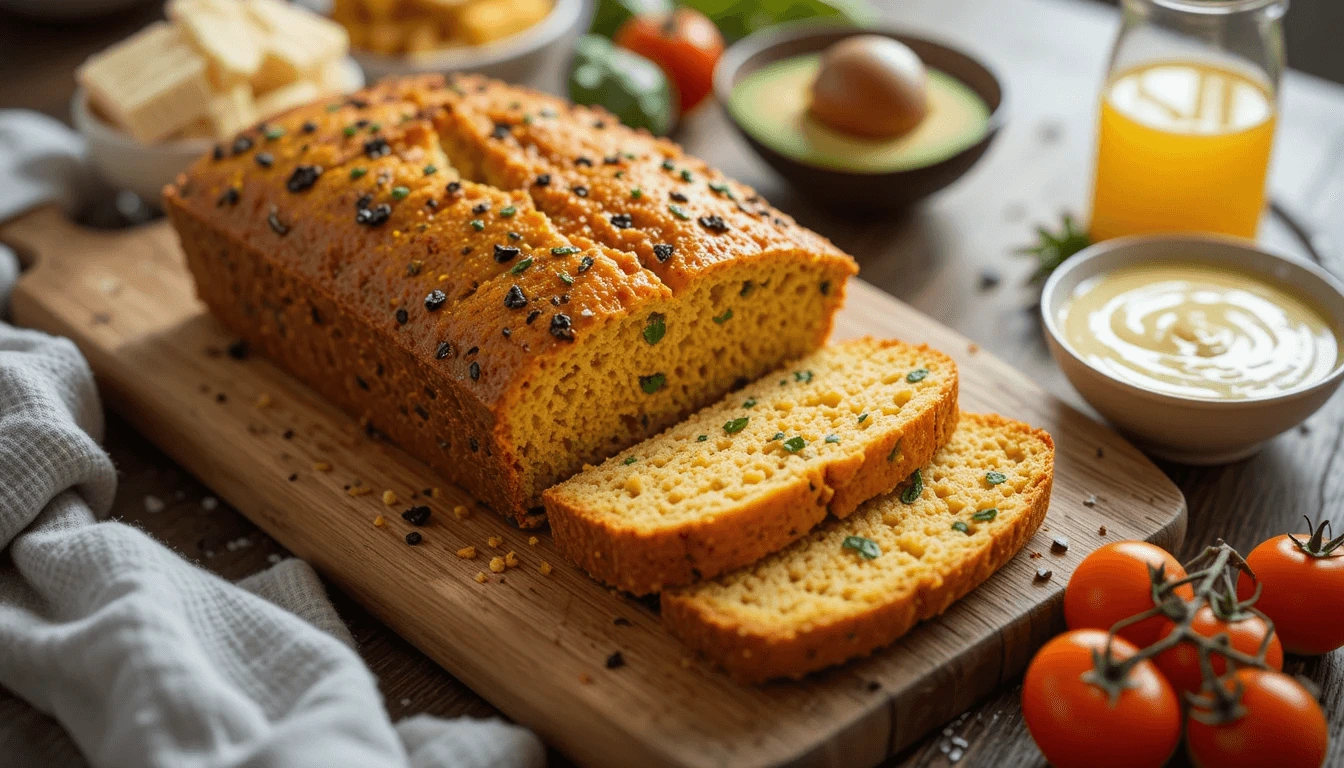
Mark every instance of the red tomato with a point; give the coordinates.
(1301, 592)
(685, 44)
(1074, 722)
(1112, 584)
(1180, 665)
(1283, 727)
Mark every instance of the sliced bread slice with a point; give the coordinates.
(855, 585)
(756, 471)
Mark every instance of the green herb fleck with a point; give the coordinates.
(917, 375)
(630, 460)
(399, 193)
(803, 376)
(865, 547)
(507, 212)
(701, 438)
(668, 165)
(721, 188)
(863, 417)
(778, 436)
(333, 107)
(619, 174)
(477, 224)
(358, 173)
(527, 119)
(911, 495)
(521, 266)
(636, 193)
(1052, 249)
(794, 444)
(564, 277)
(375, 127)
(994, 478)
(725, 317)
(679, 212)
(736, 425)
(750, 403)
(350, 130)
(960, 526)
(686, 175)
(655, 328)
(430, 170)
(564, 250)
(274, 133)
(651, 384)
(895, 451)
(832, 438)
(985, 515)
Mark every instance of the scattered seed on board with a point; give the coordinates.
(1044, 574)
(322, 466)
(414, 538)
(1060, 544)
(1101, 531)
(1090, 501)
(615, 661)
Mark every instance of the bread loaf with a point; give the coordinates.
(757, 470)
(503, 327)
(857, 584)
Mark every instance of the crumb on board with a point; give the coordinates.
(321, 466)
(585, 678)
(467, 553)
(545, 568)
(461, 512)
(380, 522)
(359, 490)
(494, 541)
(1101, 531)
(511, 560)
(414, 538)
(532, 541)
(497, 565)
(263, 400)
(293, 477)
(685, 662)
(434, 493)
(972, 347)
(481, 578)
(389, 497)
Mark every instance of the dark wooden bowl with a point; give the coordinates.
(857, 192)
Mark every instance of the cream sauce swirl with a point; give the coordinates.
(1199, 331)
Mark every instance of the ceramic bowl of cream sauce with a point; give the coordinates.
(1200, 348)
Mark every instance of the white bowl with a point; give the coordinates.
(1187, 429)
(144, 169)
(514, 58)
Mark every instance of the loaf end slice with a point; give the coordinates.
(756, 471)
(821, 602)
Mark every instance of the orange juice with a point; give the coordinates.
(1183, 146)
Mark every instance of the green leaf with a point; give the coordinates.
(985, 515)
(507, 211)
(749, 403)
(678, 211)
(521, 266)
(736, 425)
(564, 277)
(357, 173)
(477, 224)
(655, 328)
(564, 250)
(917, 375)
(630, 460)
(653, 383)
(911, 495)
(994, 478)
(895, 451)
(863, 417)
(1051, 249)
(865, 547)
(778, 436)
(701, 438)
(794, 444)
(399, 193)
(803, 376)
(960, 526)
(725, 317)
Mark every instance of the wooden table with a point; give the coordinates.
(1052, 55)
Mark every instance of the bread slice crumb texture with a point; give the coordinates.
(760, 468)
(855, 585)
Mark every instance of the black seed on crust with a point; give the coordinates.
(474, 370)
(662, 251)
(515, 299)
(435, 300)
(505, 253)
(303, 177)
(714, 223)
(377, 147)
(562, 327)
(443, 350)
(375, 216)
(622, 221)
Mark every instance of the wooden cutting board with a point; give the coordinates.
(536, 646)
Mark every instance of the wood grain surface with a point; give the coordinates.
(1051, 55)
(535, 645)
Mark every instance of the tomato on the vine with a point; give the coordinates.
(1112, 584)
(1075, 723)
(1283, 726)
(1180, 665)
(684, 43)
(1302, 591)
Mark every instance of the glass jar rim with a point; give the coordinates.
(1217, 7)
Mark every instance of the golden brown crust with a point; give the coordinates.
(350, 307)
(643, 562)
(752, 654)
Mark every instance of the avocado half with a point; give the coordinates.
(771, 105)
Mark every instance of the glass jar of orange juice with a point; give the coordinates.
(1187, 117)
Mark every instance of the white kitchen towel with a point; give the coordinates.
(116, 652)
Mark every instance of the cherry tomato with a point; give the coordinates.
(685, 43)
(1180, 665)
(1074, 722)
(1283, 727)
(1301, 592)
(1112, 584)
